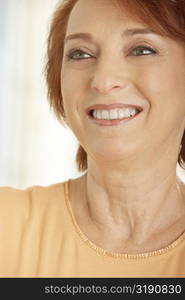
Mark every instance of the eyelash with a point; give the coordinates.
(72, 52)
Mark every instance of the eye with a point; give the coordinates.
(78, 54)
(143, 50)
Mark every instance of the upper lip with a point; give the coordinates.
(112, 106)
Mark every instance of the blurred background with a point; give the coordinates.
(35, 149)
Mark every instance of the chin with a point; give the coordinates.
(113, 154)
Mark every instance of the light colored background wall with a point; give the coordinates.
(34, 148)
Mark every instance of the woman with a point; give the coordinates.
(116, 74)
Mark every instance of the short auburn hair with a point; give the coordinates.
(167, 17)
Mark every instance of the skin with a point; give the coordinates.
(131, 199)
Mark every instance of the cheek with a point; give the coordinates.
(72, 84)
(68, 86)
(164, 87)
(72, 89)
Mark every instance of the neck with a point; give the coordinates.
(132, 202)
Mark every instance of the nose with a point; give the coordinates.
(109, 78)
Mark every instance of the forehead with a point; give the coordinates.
(99, 14)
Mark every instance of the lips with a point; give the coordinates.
(112, 122)
(90, 109)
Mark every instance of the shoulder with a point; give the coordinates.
(31, 220)
(11, 193)
(34, 197)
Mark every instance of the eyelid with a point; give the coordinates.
(140, 43)
(154, 51)
(73, 50)
(128, 50)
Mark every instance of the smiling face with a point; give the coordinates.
(116, 62)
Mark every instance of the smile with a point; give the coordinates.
(110, 115)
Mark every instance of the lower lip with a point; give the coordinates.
(113, 122)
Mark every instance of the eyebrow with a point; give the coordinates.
(126, 33)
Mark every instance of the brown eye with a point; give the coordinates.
(142, 50)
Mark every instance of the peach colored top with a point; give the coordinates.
(39, 237)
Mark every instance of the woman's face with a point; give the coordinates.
(106, 62)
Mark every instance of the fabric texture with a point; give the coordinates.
(39, 237)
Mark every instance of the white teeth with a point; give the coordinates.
(113, 114)
(104, 114)
(121, 113)
(94, 113)
(132, 113)
(98, 115)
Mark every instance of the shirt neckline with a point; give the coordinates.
(104, 252)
